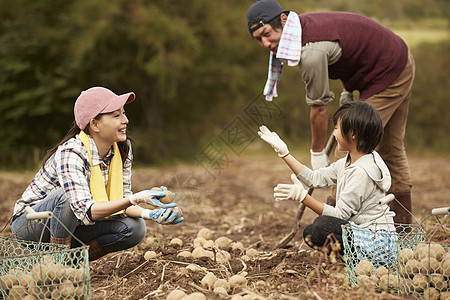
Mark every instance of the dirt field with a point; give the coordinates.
(235, 202)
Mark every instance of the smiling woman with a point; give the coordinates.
(86, 180)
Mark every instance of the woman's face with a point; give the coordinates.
(113, 126)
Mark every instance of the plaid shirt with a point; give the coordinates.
(69, 168)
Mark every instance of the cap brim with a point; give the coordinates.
(118, 102)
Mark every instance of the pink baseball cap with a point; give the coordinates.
(97, 100)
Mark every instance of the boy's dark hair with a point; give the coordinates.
(363, 121)
(275, 22)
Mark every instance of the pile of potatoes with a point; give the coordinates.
(218, 250)
(46, 280)
(425, 270)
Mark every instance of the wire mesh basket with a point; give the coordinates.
(424, 268)
(412, 263)
(37, 270)
(371, 255)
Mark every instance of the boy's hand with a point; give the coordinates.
(273, 140)
(295, 192)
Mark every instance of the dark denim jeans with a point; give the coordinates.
(114, 233)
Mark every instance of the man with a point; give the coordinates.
(364, 55)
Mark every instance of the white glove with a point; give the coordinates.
(294, 191)
(346, 97)
(319, 160)
(150, 197)
(273, 140)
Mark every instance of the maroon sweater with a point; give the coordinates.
(372, 56)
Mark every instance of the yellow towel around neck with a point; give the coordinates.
(114, 187)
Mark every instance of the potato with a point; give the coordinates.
(26, 280)
(150, 254)
(381, 271)
(66, 289)
(180, 212)
(237, 281)
(413, 266)
(405, 286)
(55, 272)
(176, 242)
(40, 274)
(252, 252)
(176, 295)
(17, 292)
(420, 282)
(237, 246)
(445, 267)
(209, 280)
(438, 281)
(204, 233)
(222, 283)
(193, 268)
(364, 280)
(209, 244)
(29, 297)
(387, 281)
(70, 274)
(405, 255)
(184, 254)
(198, 252)
(223, 242)
(199, 241)
(168, 198)
(195, 296)
(80, 290)
(445, 296)
(433, 250)
(220, 291)
(8, 280)
(222, 256)
(429, 265)
(430, 294)
(364, 267)
(438, 251)
(46, 259)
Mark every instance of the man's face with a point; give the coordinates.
(268, 37)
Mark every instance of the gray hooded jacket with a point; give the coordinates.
(360, 186)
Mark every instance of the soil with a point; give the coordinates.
(234, 199)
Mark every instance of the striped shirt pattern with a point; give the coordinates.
(379, 247)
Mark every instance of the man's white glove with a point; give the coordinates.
(319, 160)
(294, 191)
(160, 215)
(150, 197)
(273, 140)
(346, 97)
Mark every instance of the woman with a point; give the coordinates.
(85, 181)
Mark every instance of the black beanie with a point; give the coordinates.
(266, 10)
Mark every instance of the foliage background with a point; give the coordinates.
(192, 66)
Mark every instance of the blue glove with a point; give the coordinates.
(162, 216)
(150, 197)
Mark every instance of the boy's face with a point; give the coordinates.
(268, 37)
(343, 144)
